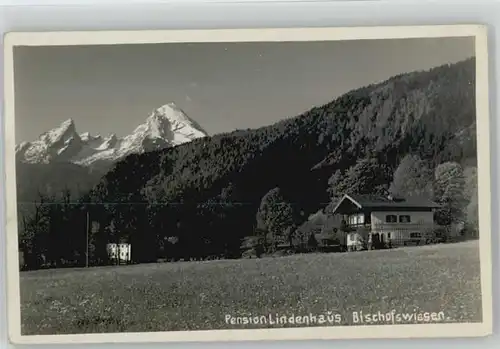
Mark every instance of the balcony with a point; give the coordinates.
(419, 227)
(358, 225)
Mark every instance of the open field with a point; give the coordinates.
(198, 295)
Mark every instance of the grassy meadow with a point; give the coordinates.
(198, 295)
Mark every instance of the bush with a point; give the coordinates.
(312, 243)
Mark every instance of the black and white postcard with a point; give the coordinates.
(261, 184)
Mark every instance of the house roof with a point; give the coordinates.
(378, 201)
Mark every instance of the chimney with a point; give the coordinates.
(396, 198)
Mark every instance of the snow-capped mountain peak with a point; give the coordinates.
(65, 130)
(166, 126)
(170, 122)
(56, 143)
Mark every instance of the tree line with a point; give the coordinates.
(62, 232)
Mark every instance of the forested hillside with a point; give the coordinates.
(205, 195)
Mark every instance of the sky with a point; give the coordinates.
(223, 86)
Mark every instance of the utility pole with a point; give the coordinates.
(87, 241)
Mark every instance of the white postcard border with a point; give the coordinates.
(255, 35)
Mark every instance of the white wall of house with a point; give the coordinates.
(416, 217)
(121, 252)
(354, 239)
(401, 230)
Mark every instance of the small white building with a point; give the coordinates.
(119, 253)
(384, 221)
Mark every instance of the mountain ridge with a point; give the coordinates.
(166, 126)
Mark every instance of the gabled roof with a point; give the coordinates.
(378, 201)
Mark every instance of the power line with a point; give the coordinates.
(154, 203)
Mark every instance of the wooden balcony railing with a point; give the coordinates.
(403, 226)
(394, 226)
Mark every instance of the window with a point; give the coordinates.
(415, 235)
(356, 219)
(391, 218)
(404, 219)
(361, 219)
(388, 235)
